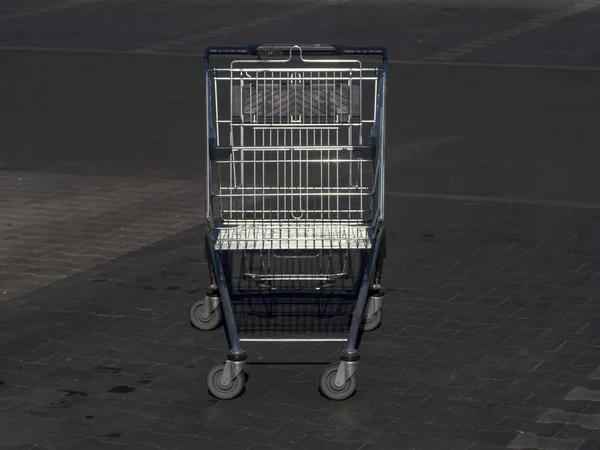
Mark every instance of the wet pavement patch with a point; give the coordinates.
(121, 389)
(69, 392)
(60, 404)
(108, 369)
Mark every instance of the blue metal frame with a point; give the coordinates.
(373, 270)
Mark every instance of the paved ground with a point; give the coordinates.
(490, 330)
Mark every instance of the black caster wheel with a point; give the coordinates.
(204, 323)
(218, 390)
(330, 390)
(374, 322)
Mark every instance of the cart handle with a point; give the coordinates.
(307, 49)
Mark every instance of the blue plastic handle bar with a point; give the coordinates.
(308, 49)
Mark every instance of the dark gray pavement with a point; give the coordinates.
(564, 32)
(524, 133)
(489, 338)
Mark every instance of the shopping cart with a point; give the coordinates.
(294, 192)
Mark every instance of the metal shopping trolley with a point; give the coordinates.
(294, 192)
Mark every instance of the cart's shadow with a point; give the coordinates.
(316, 298)
(292, 363)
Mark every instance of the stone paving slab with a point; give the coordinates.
(16, 9)
(124, 25)
(566, 42)
(489, 340)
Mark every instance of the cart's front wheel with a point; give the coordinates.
(329, 389)
(200, 320)
(224, 392)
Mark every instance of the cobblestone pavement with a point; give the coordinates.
(489, 340)
(490, 333)
(56, 225)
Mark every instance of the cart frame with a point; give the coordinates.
(264, 195)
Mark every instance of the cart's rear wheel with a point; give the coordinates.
(217, 389)
(371, 324)
(330, 390)
(201, 322)
(374, 322)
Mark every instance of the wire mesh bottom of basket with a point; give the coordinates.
(293, 316)
(286, 237)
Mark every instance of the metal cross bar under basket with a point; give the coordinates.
(294, 191)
